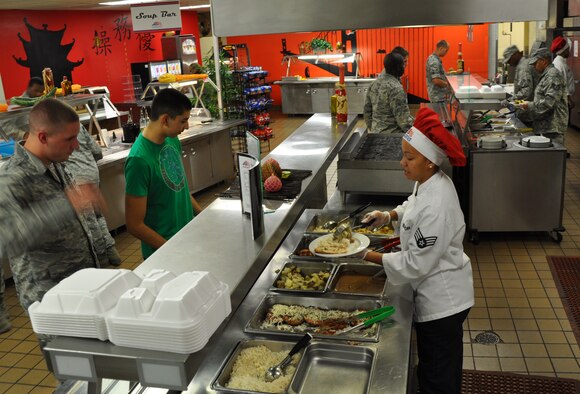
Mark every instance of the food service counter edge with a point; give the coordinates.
(219, 240)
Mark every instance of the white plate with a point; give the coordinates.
(360, 243)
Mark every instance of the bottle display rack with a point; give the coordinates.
(253, 101)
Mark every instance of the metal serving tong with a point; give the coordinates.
(375, 316)
(331, 224)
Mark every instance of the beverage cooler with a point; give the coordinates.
(180, 47)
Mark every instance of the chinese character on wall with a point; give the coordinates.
(145, 41)
(101, 43)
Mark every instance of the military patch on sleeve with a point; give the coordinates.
(423, 242)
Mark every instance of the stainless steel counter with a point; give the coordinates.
(219, 240)
(325, 80)
(119, 151)
(456, 81)
(312, 95)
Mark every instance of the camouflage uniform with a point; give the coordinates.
(435, 70)
(386, 109)
(82, 164)
(525, 80)
(19, 227)
(41, 254)
(549, 110)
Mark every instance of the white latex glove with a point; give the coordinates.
(377, 218)
(361, 255)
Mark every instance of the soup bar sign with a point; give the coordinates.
(158, 16)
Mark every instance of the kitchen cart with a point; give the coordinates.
(510, 186)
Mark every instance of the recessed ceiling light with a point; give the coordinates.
(191, 7)
(128, 2)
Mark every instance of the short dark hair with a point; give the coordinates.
(35, 81)
(51, 114)
(394, 64)
(442, 44)
(401, 51)
(171, 102)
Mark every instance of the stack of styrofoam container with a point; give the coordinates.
(492, 92)
(78, 304)
(468, 92)
(180, 318)
(157, 312)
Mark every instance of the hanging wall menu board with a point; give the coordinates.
(251, 191)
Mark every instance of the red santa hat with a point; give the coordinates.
(559, 45)
(433, 140)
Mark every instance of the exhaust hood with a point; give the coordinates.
(247, 17)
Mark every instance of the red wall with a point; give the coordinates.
(420, 42)
(97, 70)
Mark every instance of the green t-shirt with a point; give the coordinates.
(155, 171)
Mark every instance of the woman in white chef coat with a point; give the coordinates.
(432, 227)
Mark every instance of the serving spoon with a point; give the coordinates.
(276, 371)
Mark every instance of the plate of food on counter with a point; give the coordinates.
(327, 246)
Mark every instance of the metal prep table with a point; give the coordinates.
(219, 240)
(312, 95)
(516, 188)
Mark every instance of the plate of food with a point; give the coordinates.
(326, 246)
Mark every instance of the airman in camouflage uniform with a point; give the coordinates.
(386, 109)
(437, 85)
(42, 256)
(22, 227)
(549, 109)
(526, 77)
(82, 164)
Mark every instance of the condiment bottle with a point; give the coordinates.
(460, 62)
(66, 86)
(48, 80)
(341, 101)
(143, 119)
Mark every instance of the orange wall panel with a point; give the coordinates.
(265, 51)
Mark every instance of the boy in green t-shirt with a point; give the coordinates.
(157, 202)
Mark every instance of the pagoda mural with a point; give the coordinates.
(45, 50)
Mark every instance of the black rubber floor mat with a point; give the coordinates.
(566, 273)
(490, 382)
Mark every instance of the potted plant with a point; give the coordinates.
(320, 45)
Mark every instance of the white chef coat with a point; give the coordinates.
(431, 259)
(561, 65)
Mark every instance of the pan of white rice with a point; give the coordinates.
(246, 368)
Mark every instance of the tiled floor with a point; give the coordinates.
(515, 296)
